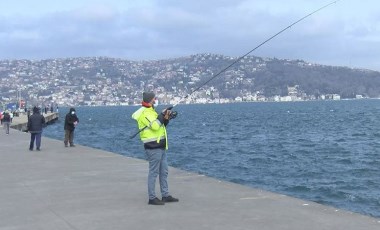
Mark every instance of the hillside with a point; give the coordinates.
(98, 80)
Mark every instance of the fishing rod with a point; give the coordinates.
(140, 130)
(258, 46)
(241, 57)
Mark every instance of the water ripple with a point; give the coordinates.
(328, 152)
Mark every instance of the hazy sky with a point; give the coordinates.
(345, 34)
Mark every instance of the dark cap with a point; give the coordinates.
(35, 109)
(148, 96)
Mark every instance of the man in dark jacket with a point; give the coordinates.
(7, 121)
(35, 125)
(71, 120)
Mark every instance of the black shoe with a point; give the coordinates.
(38, 149)
(72, 145)
(66, 146)
(30, 149)
(169, 199)
(156, 201)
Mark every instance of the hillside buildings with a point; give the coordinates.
(105, 81)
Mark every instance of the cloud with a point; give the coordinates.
(169, 28)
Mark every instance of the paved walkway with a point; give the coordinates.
(84, 189)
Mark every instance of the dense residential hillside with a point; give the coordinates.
(110, 81)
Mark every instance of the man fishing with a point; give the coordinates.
(153, 134)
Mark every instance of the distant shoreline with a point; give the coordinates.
(237, 102)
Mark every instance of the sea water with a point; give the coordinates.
(323, 151)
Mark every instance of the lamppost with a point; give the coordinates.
(20, 102)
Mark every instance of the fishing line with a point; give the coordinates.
(243, 56)
(258, 46)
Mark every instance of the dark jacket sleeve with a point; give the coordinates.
(69, 121)
(29, 123)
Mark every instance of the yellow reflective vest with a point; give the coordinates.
(154, 132)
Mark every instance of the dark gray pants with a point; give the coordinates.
(69, 137)
(6, 126)
(35, 137)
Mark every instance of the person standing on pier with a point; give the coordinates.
(7, 121)
(35, 124)
(153, 135)
(12, 115)
(71, 121)
(1, 117)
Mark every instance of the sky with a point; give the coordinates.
(346, 33)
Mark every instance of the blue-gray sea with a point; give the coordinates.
(323, 151)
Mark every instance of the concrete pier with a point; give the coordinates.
(82, 188)
(20, 122)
